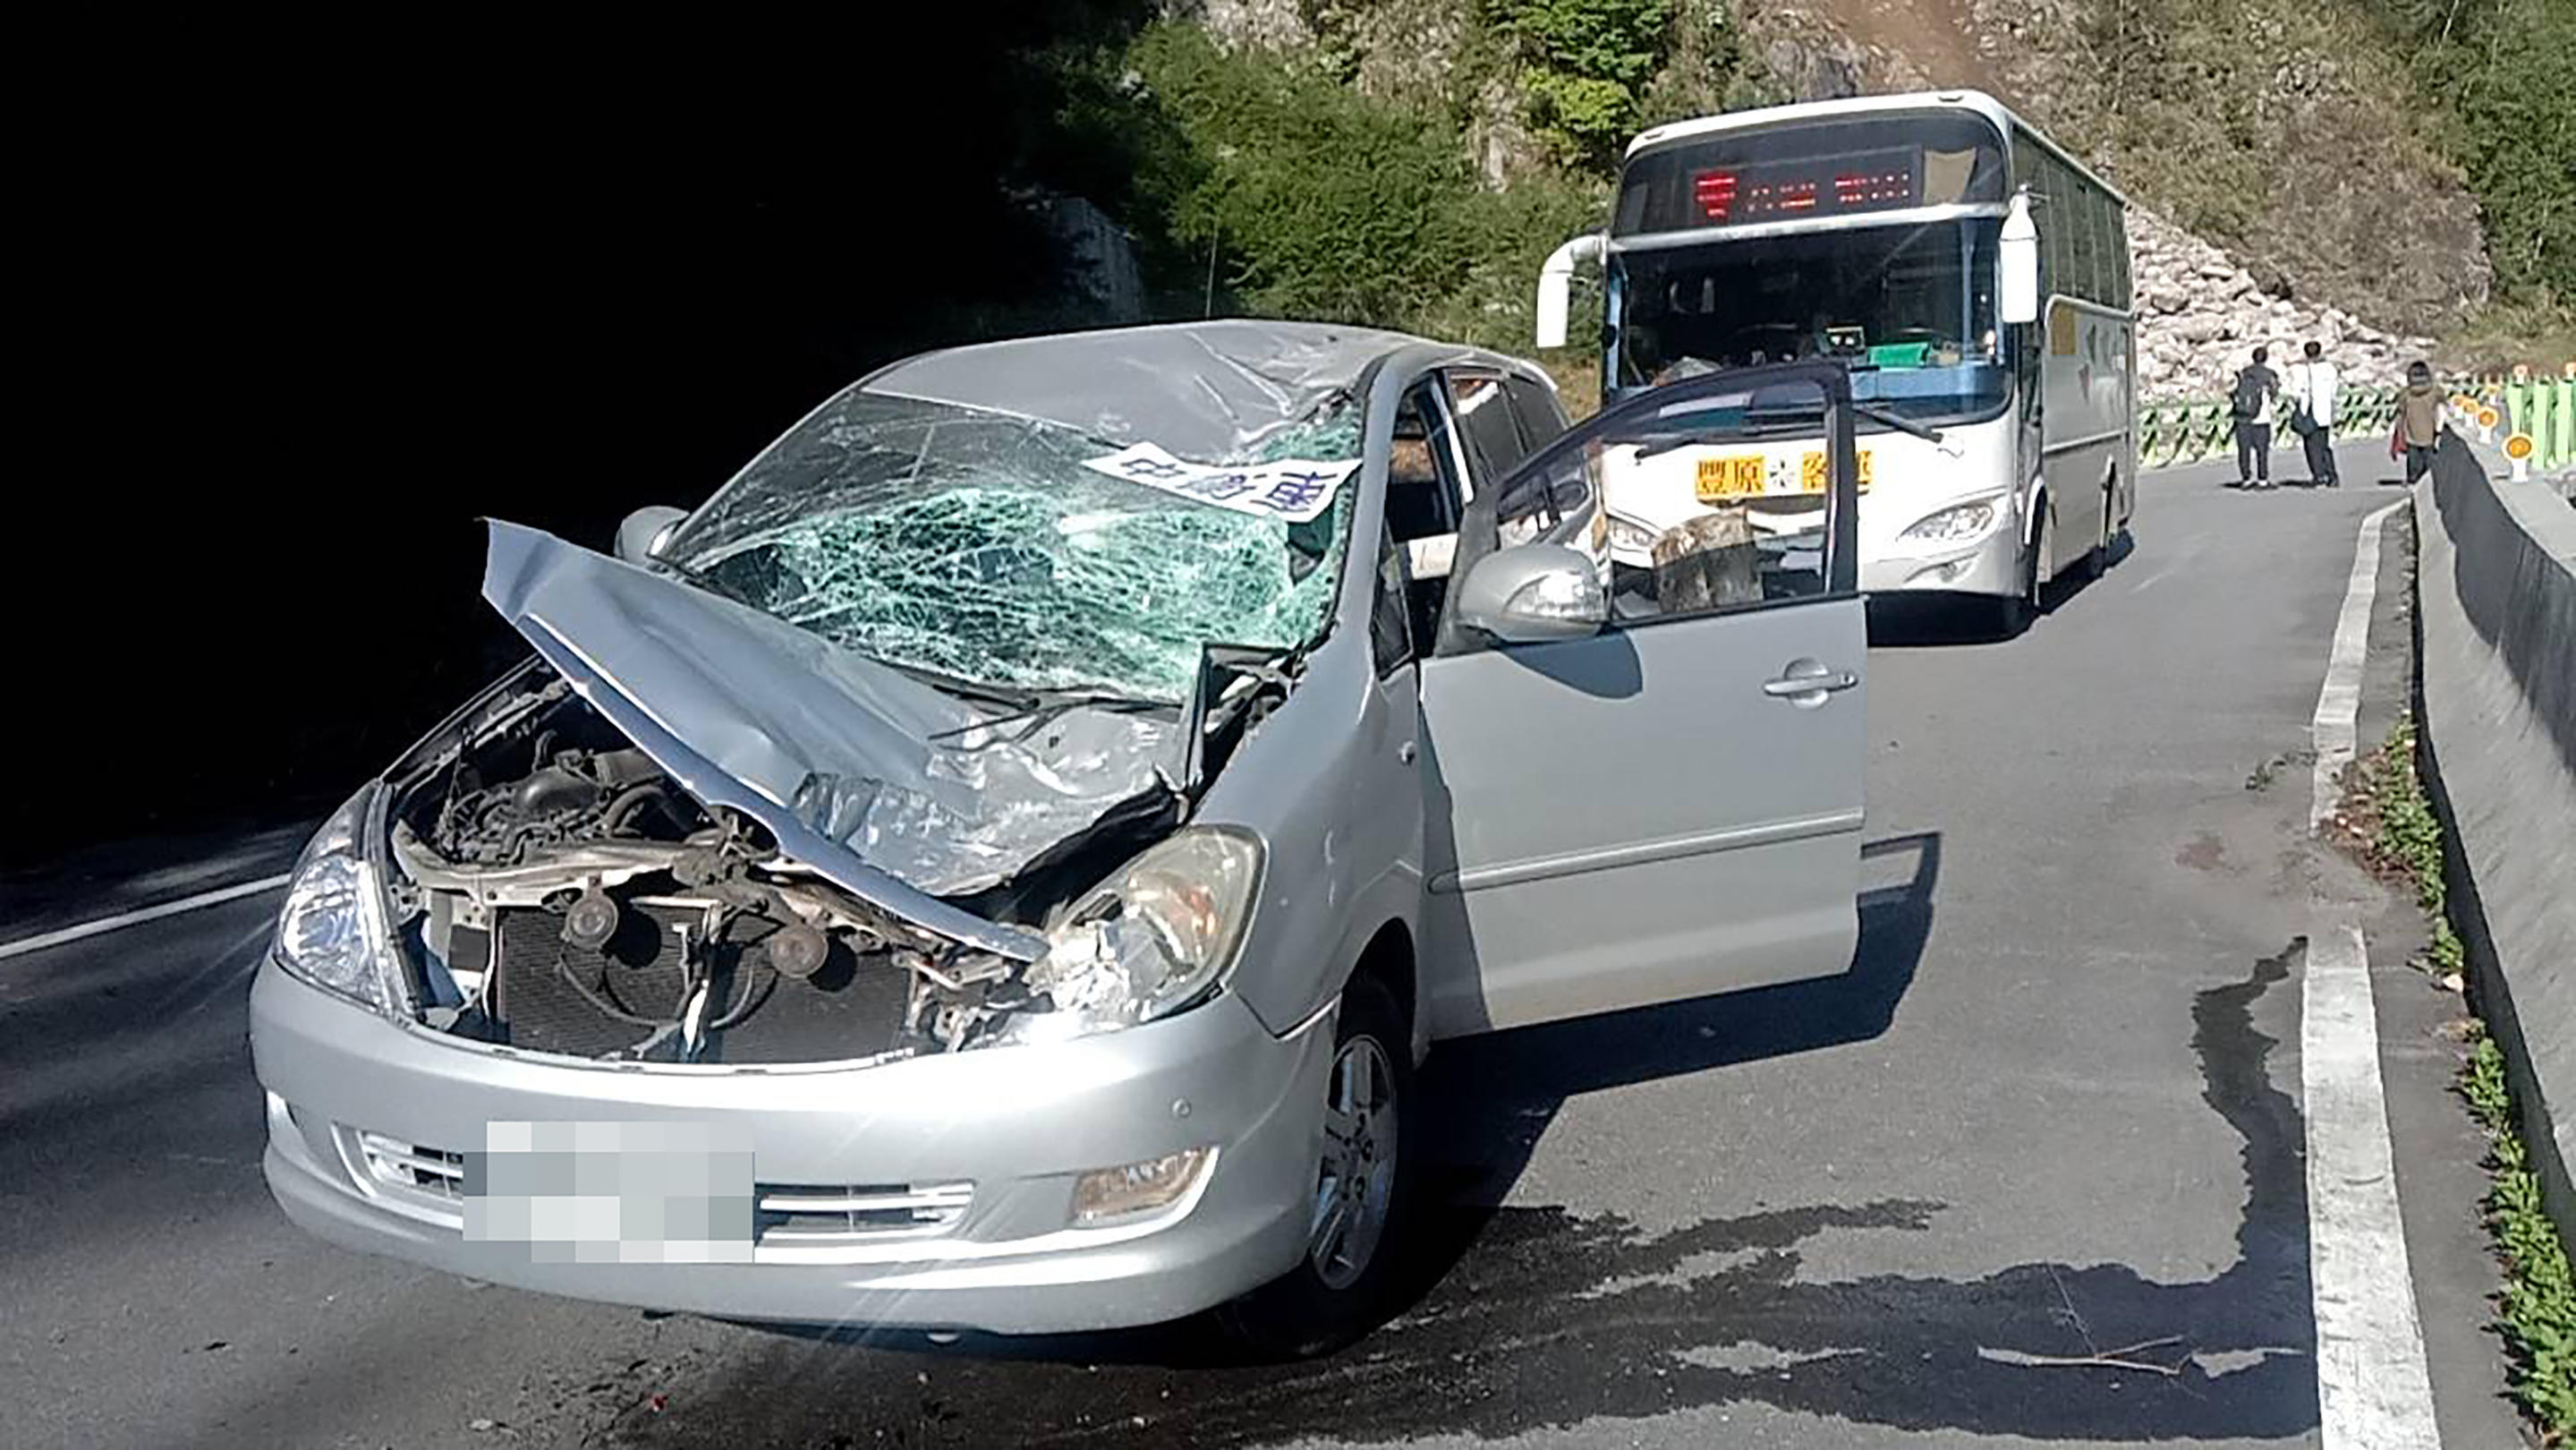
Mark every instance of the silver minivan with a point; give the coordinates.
(998, 862)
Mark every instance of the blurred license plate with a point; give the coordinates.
(1749, 475)
(613, 1193)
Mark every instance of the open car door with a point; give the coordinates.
(1649, 787)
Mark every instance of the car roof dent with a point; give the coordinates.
(1209, 392)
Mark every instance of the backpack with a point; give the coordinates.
(2247, 403)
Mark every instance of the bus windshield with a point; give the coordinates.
(1910, 309)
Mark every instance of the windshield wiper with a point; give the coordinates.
(1039, 708)
(1741, 433)
(1900, 424)
(705, 579)
(1666, 443)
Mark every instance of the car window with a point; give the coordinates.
(1752, 465)
(1423, 496)
(1390, 628)
(1426, 497)
(1536, 410)
(1494, 443)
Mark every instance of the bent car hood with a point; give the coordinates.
(850, 763)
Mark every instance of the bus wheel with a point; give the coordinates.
(2097, 560)
(2014, 613)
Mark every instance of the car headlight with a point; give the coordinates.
(1151, 940)
(1958, 523)
(330, 932)
(1631, 536)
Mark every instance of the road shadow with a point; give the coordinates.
(1537, 1319)
(1932, 619)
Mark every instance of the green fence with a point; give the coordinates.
(2188, 429)
(2184, 430)
(2541, 408)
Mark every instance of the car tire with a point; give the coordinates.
(1339, 1289)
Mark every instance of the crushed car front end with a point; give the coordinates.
(532, 935)
(816, 928)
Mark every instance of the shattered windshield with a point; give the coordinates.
(1011, 553)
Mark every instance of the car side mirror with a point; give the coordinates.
(641, 537)
(2017, 260)
(1532, 593)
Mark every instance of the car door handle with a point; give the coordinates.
(1796, 683)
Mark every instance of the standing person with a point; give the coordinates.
(2250, 403)
(2419, 421)
(2313, 385)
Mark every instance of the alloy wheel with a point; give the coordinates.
(1355, 1185)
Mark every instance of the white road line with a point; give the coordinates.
(2373, 1391)
(125, 919)
(2372, 1388)
(2340, 701)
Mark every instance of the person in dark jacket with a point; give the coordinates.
(2419, 421)
(2250, 404)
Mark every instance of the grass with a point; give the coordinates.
(2536, 1310)
(2403, 838)
(2508, 332)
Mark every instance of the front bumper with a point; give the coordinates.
(1988, 565)
(1018, 1124)
(1888, 563)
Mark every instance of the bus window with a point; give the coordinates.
(2083, 249)
(2123, 297)
(1911, 308)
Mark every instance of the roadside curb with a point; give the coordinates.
(2495, 698)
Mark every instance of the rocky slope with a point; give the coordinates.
(2346, 229)
(2201, 313)
(2368, 236)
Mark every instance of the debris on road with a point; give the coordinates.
(2121, 1358)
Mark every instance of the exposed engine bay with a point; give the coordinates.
(558, 892)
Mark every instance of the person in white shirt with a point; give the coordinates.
(2312, 400)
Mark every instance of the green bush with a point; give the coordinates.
(1300, 196)
(1584, 68)
(2505, 74)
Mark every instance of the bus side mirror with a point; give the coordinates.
(1556, 286)
(2017, 289)
(1553, 300)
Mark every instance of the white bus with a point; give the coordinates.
(1975, 279)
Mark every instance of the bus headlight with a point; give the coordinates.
(1958, 523)
(1630, 537)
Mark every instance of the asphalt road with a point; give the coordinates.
(2052, 1111)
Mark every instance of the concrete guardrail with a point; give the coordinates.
(2496, 649)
